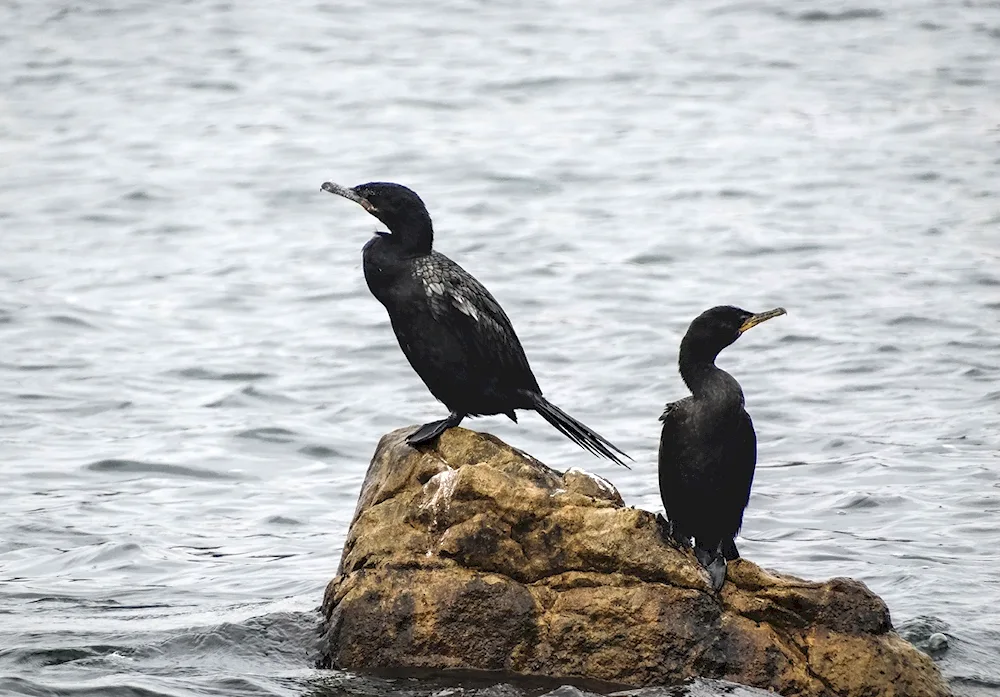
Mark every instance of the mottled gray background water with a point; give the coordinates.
(193, 375)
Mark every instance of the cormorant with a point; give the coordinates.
(708, 447)
(454, 334)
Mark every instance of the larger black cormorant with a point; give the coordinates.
(454, 334)
(708, 447)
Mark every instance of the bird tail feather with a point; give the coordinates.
(582, 435)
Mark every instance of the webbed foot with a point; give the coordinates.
(715, 565)
(432, 430)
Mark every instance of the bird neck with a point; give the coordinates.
(412, 235)
(705, 379)
(415, 241)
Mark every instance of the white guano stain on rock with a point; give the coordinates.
(442, 485)
(602, 483)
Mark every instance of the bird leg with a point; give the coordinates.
(671, 533)
(714, 563)
(429, 432)
(663, 526)
(729, 550)
(679, 536)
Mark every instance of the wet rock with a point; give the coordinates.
(929, 634)
(474, 555)
(937, 643)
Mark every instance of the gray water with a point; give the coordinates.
(193, 375)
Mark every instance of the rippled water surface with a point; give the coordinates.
(193, 375)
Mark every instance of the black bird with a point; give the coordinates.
(454, 334)
(708, 448)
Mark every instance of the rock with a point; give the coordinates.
(937, 643)
(699, 687)
(474, 555)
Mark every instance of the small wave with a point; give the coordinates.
(992, 32)
(859, 501)
(909, 320)
(246, 396)
(140, 196)
(214, 85)
(106, 219)
(738, 193)
(789, 463)
(282, 520)
(94, 408)
(431, 104)
(652, 259)
(71, 321)
(843, 16)
(978, 681)
(34, 397)
(799, 339)
(286, 637)
(269, 434)
(320, 452)
(857, 368)
(102, 687)
(165, 229)
(206, 374)
(328, 296)
(156, 468)
(31, 657)
(48, 79)
(549, 82)
(38, 367)
(981, 279)
(769, 250)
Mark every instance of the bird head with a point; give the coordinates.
(718, 327)
(398, 207)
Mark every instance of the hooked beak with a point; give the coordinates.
(754, 320)
(349, 194)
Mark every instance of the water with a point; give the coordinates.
(193, 375)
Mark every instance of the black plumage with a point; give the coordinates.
(452, 331)
(708, 447)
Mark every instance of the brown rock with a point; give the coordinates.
(474, 555)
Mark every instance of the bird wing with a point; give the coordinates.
(671, 458)
(458, 300)
(668, 413)
(741, 453)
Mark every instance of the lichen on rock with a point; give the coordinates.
(474, 555)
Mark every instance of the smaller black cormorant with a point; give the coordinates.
(708, 447)
(451, 330)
